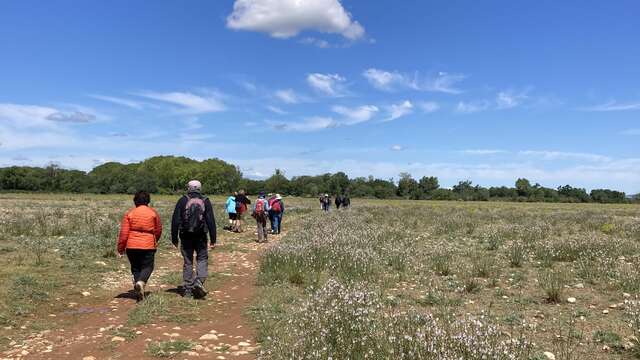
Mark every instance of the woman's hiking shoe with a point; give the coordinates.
(198, 291)
(139, 290)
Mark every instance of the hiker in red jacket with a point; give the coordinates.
(140, 231)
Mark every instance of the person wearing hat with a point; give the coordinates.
(192, 219)
(276, 206)
(260, 213)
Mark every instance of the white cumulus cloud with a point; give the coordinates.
(287, 18)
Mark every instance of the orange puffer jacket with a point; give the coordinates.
(141, 228)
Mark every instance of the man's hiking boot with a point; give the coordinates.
(198, 291)
(139, 289)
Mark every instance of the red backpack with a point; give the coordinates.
(260, 207)
(276, 207)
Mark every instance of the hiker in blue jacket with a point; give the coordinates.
(230, 207)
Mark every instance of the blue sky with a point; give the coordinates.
(488, 91)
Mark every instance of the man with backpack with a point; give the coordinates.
(192, 218)
(276, 210)
(260, 212)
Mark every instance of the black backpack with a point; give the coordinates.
(193, 215)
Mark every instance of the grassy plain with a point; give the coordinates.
(383, 280)
(440, 280)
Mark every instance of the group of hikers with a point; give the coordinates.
(341, 201)
(193, 219)
(269, 207)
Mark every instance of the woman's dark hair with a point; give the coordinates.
(141, 198)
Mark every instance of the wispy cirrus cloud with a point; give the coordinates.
(327, 84)
(288, 96)
(504, 100)
(287, 18)
(276, 110)
(509, 99)
(614, 105)
(188, 102)
(321, 43)
(429, 106)
(20, 115)
(563, 155)
(470, 107)
(356, 115)
(482, 152)
(307, 125)
(393, 80)
(399, 110)
(631, 132)
(397, 147)
(119, 101)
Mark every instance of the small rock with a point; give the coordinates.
(626, 295)
(117, 338)
(209, 337)
(579, 286)
(613, 306)
(571, 300)
(24, 353)
(192, 353)
(605, 311)
(606, 348)
(101, 263)
(86, 293)
(244, 343)
(549, 355)
(89, 358)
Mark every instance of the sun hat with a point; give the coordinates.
(278, 197)
(194, 185)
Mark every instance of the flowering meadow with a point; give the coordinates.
(450, 280)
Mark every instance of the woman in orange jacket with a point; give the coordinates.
(140, 231)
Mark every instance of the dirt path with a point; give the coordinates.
(94, 328)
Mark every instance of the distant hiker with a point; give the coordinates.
(140, 232)
(260, 213)
(325, 202)
(192, 218)
(346, 202)
(270, 199)
(230, 208)
(242, 205)
(276, 210)
(339, 201)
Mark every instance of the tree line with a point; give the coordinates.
(169, 174)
